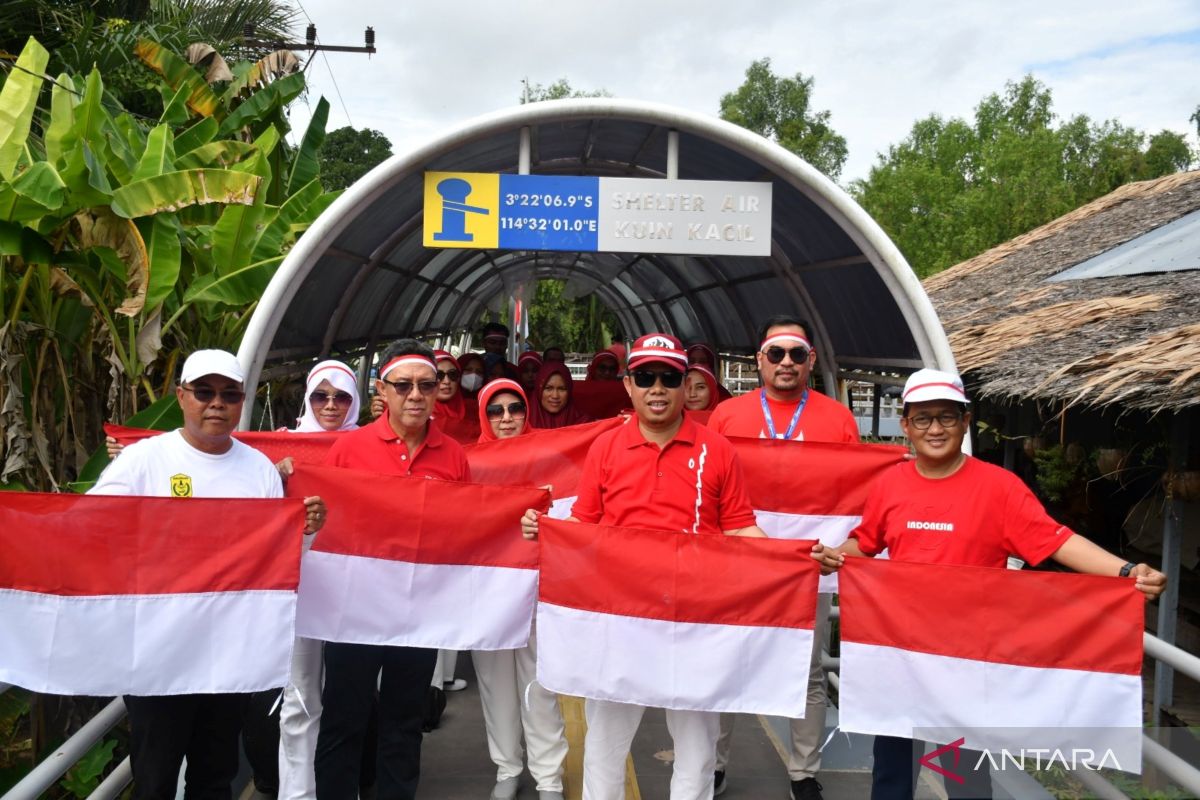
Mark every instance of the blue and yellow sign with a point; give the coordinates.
(462, 209)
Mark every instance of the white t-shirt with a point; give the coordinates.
(167, 466)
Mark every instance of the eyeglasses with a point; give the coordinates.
(404, 388)
(497, 410)
(319, 398)
(775, 354)
(452, 375)
(644, 378)
(205, 394)
(947, 419)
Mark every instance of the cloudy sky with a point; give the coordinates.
(878, 66)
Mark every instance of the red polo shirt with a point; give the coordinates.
(378, 448)
(822, 420)
(694, 484)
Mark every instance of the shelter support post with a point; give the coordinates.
(672, 155)
(876, 398)
(1168, 602)
(523, 152)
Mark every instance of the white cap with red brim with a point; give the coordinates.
(933, 384)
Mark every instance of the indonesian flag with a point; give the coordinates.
(417, 561)
(1004, 660)
(671, 620)
(812, 490)
(302, 448)
(106, 595)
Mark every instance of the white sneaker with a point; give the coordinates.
(456, 685)
(505, 789)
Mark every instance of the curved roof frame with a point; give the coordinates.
(806, 185)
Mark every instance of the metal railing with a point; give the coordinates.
(45, 774)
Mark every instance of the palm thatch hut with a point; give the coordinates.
(1081, 340)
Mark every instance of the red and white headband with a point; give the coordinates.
(779, 338)
(408, 359)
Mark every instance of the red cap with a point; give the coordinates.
(658, 347)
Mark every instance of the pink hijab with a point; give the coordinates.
(486, 434)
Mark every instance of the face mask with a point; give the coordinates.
(471, 381)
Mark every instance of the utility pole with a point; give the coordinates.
(310, 42)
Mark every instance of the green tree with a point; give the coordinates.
(576, 324)
(560, 89)
(779, 109)
(952, 188)
(350, 153)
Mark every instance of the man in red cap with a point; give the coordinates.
(661, 471)
(785, 408)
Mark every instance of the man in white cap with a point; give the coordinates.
(971, 513)
(786, 408)
(201, 459)
(656, 473)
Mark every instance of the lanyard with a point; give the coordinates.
(771, 423)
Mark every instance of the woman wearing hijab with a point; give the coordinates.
(451, 407)
(604, 367)
(527, 367)
(504, 674)
(331, 404)
(700, 389)
(700, 353)
(471, 366)
(553, 406)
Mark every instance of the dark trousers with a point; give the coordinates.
(201, 727)
(260, 739)
(897, 765)
(351, 671)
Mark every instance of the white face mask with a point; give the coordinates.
(471, 381)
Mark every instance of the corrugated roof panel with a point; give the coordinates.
(1173, 247)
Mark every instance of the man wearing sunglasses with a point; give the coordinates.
(786, 408)
(661, 471)
(201, 459)
(400, 442)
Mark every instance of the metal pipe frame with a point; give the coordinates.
(45, 774)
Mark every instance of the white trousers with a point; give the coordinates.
(610, 731)
(503, 676)
(804, 757)
(443, 669)
(300, 722)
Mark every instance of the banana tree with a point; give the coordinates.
(125, 243)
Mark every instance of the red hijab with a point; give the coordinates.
(486, 434)
(711, 380)
(455, 408)
(603, 355)
(714, 361)
(570, 415)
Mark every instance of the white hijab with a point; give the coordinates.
(342, 378)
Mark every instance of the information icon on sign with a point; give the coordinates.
(454, 192)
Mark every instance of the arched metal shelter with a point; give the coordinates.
(360, 275)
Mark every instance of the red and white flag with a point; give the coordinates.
(105, 595)
(303, 448)
(812, 490)
(417, 561)
(1004, 659)
(671, 620)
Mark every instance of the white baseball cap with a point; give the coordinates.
(933, 384)
(211, 362)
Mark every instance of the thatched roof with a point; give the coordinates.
(1131, 341)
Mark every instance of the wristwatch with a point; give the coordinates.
(1125, 570)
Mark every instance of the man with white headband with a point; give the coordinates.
(967, 513)
(400, 442)
(786, 408)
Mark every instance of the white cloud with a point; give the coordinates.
(878, 66)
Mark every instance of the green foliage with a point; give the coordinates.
(126, 242)
(83, 778)
(578, 325)
(954, 188)
(778, 108)
(347, 154)
(559, 90)
(1055, 472)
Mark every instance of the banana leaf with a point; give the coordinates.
(175, 190)
(307, 166)
(164, 252)
(238, 288)
(223, 154)
(199, 134)
(260, 104)
(60, 134)
(234, 235)
(90, 113)
(41, 184)
(159, 156)
(24, 243)
(179, 74)
(277, 223)
(18, 99)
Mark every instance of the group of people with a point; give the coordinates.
(671, 468)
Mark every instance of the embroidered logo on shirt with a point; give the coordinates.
(181, 485)
(915, 525)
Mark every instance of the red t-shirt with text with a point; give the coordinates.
(978, 516)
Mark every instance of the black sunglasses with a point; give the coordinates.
(205, 394)
(496, 410)
(404, 388)
(775, 354)
(452, 374)
(319, 398)
(644, 378)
